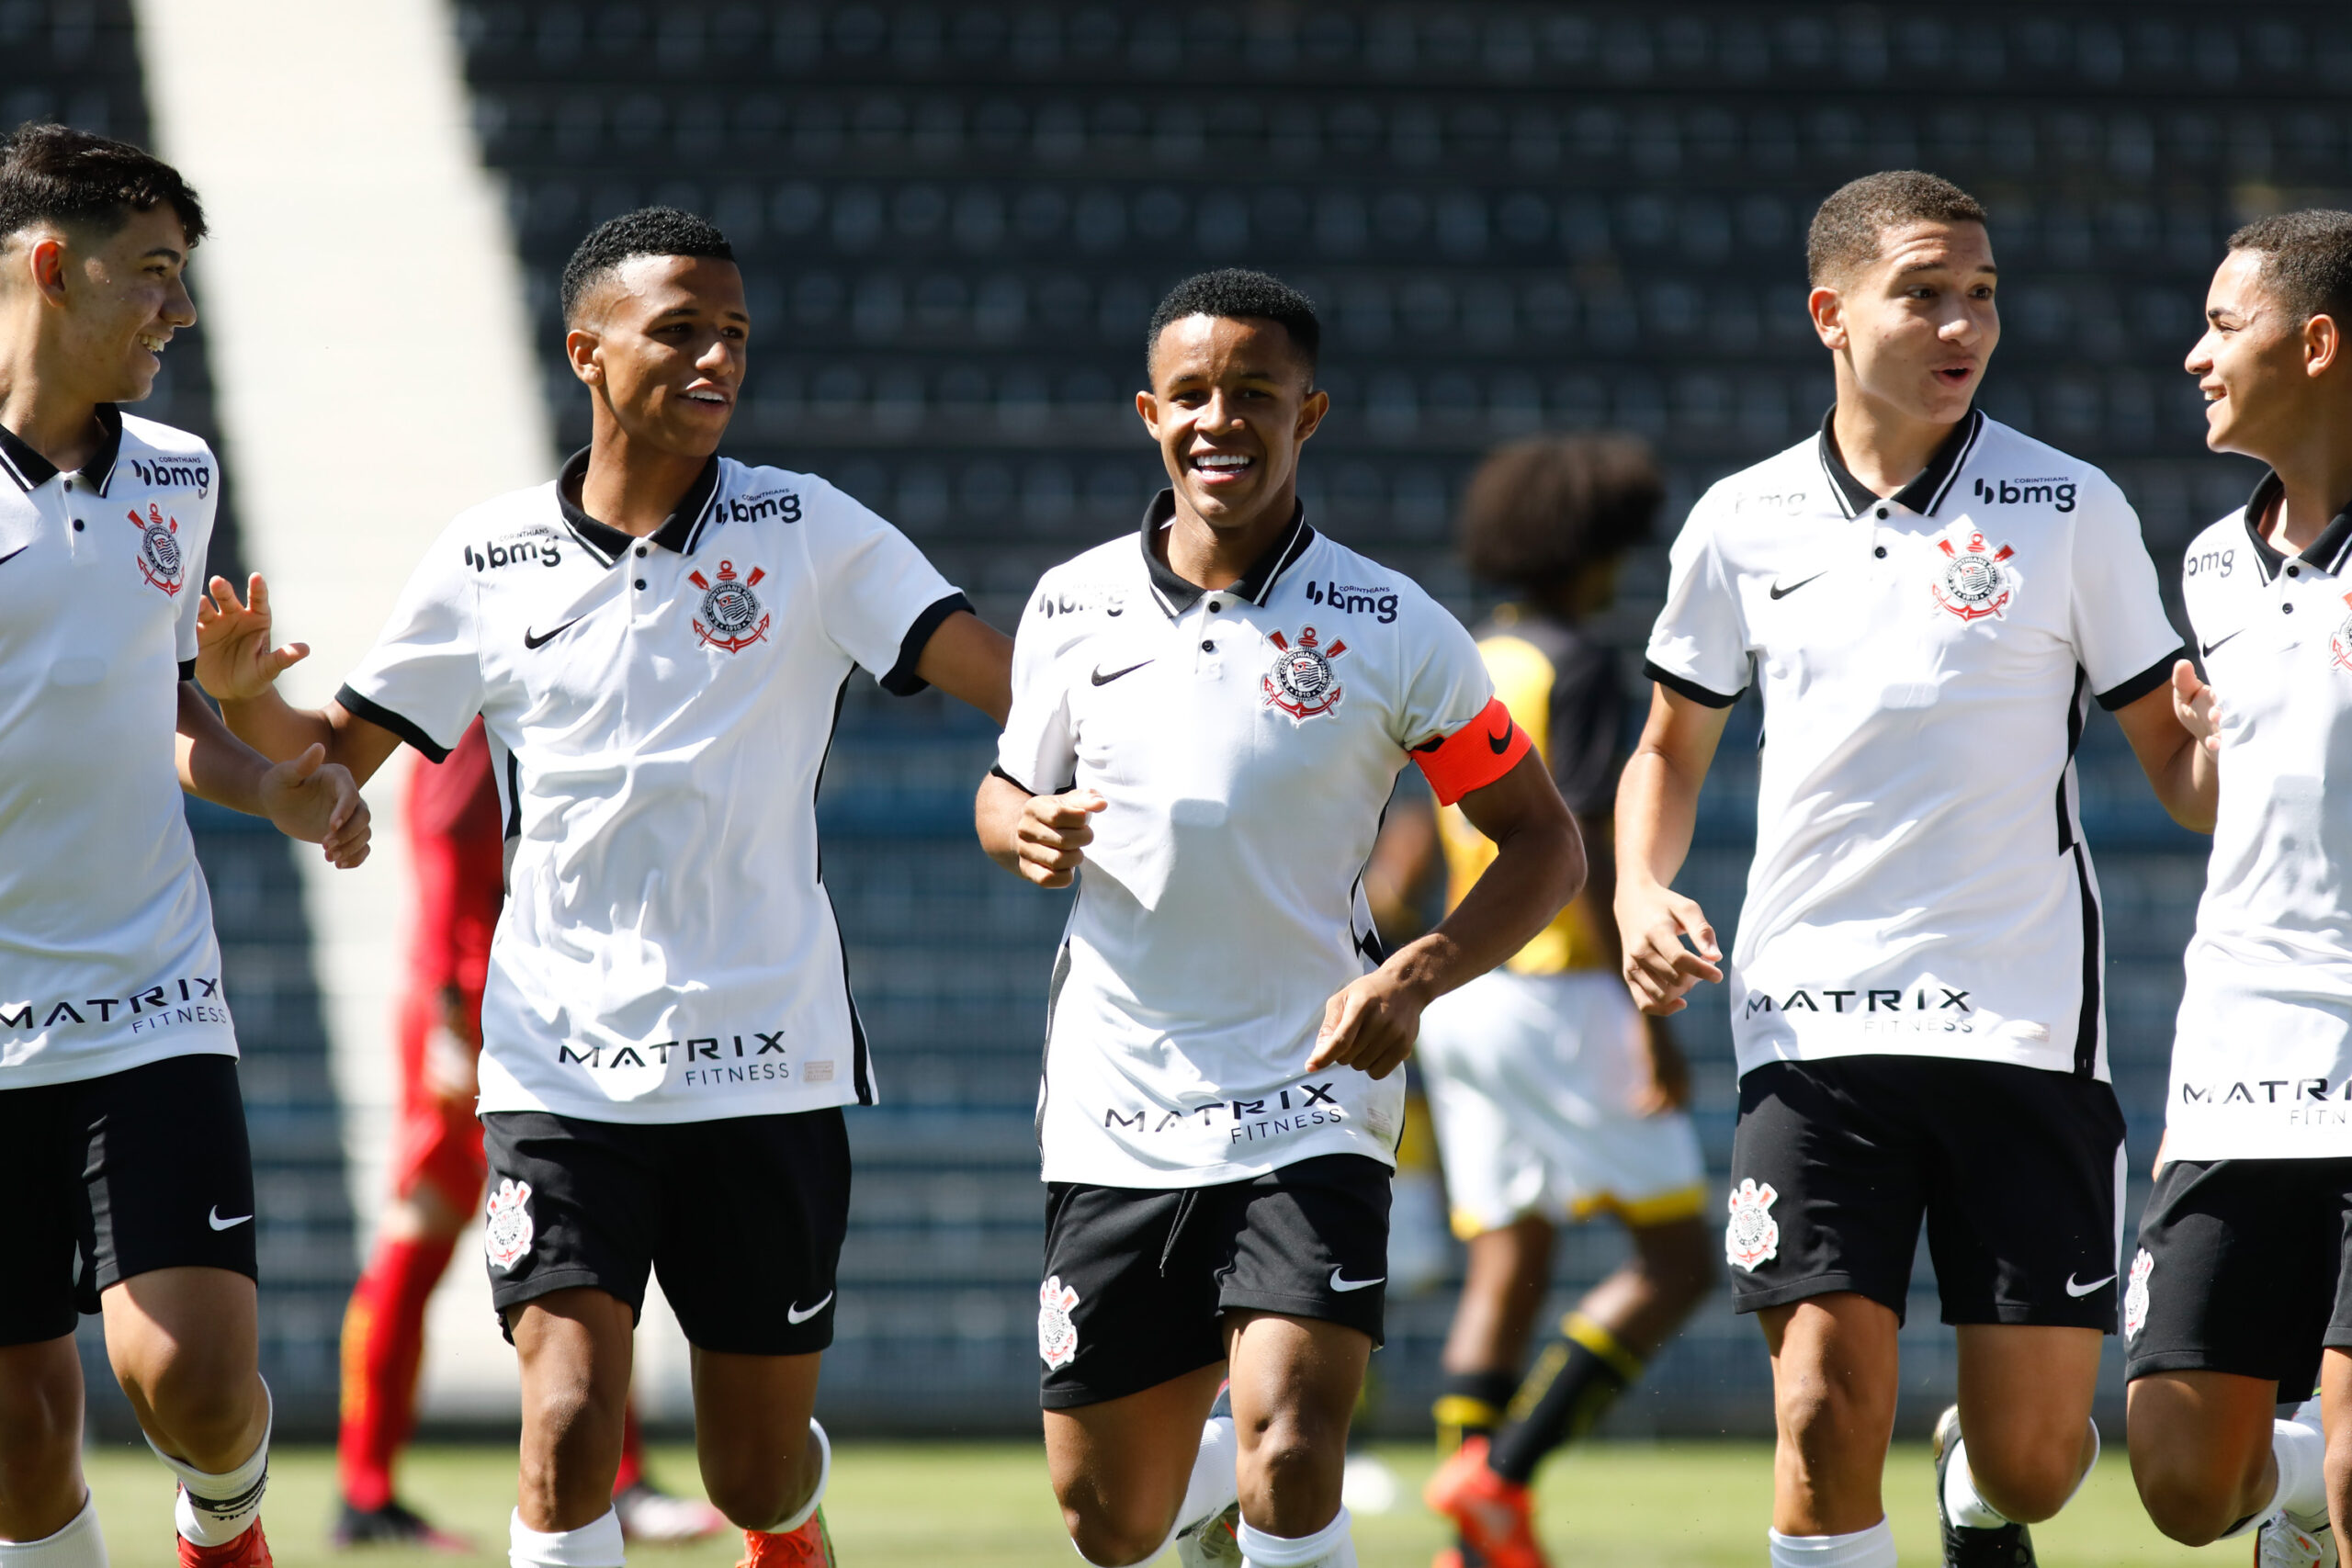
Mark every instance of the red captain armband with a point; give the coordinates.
(1474, 756)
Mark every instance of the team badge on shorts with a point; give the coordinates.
(1753, 1236)
(2339, 646)
(732, 616)
(1300, 680)
(2135, 1295)
(1976, 580)
(160, 561)
(506, 1228)
(1056, 1334)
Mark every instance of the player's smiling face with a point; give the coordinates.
(662, 342)
(2251, 365)
(122, 295)
(1918, 325)
(1229, 405)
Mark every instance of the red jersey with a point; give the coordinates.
(456, 844)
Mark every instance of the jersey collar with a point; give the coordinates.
(2328, 552)
(31, 470)
(1923, 493)
(679, 532)
(1176, 595)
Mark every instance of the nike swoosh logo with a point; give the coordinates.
(220, 1224)
(2074, 1290)
(1340, 1284)
(794, 1313)
(1102, 680)
(540, 639)
(1498, 744)
(1781, 592)
(2218, 642)
(12, 555)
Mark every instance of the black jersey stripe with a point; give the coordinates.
(383, 717)
(2086, 1025)
(2075, 715)
(900, 680)
(860, 1070)
(2154, 676)
(1685, 687)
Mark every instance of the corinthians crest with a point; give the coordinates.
(1975, 580)
(160, 561)
(732, 616)
(1300, 680)
(2339, 646)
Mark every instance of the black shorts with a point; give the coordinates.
(2244, 1265)
(2018, 1172)
(743, 1215)
(114, 1176)
(1137, 1278)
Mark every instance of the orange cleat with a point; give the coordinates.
(808, 1547)
(248, 1550)
(1450, 1558)
(1495, 1517)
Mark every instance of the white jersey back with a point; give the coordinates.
(107, 959)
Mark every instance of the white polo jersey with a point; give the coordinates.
(1247, 740)
(2262, 1060)
(658, 711)
(108, 960)
(1920, 885)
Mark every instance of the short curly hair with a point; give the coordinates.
(1539, 511)
(1845, 235)
(647, 231)
(53, 174)
(2306, 261)
(1238, 293)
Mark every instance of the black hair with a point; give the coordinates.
(1846, 231)
(1237, 293)
(52, 173)
(2306, 261)
(647, 231)
(1539, 511)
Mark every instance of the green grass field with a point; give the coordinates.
(986, 1506)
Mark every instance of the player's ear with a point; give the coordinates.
(1148, 410)
(580, 346)
(1827, 309)
(45, 259)
(1311, 411)
(2322, 345)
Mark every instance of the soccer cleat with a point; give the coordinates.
(1495, 1517)
(248, 1550)
(1966, 1546)
(649, 1513)
(2285, 1541)
(808, 1547)
(394, 1523)
(1213, 1542)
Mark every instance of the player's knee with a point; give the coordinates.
(755, 1502)
(2027, 1482)
(201, 1407)
(1830, 1426)
(2190, 1500)
(1109, 1539)
(1290, 1452)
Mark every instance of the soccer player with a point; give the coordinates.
(122, 1134)
(1208, 718)
(1552, 1097)
(656, 643)
(1931, 600)
(2243, 1273)
(457, 847)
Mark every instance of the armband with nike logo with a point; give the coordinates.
(1474, 756)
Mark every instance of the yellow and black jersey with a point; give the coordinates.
(1566, 692)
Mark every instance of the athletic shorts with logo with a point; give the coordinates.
(2018, 1172)
(1534, 1082)
(2244, 1265)
(1137, 1278)
(743, 1217)
(115, 1177)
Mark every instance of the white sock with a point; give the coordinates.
(1214, 1484)
(78, 1545)
(1964, 1505)
(1330, 1547)
(824, 1473)
(2301, 1448)
(213, 1510)
(596, 1544)
(1873, 1548)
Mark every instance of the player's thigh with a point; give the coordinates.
(1119, 1466)
(752, 1211)
(751, 1434)
(2200, 1446)
(1129, 1299)
(1836, 1368)
(573, 1205)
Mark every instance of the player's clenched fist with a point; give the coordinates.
(314, 800)
(234, 659)
(1052, 835)
(1371, 1026)
(1652, 922)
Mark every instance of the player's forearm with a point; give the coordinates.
(1657, 812)
(2189, 785)
(277, 728)
(996, 817)
(1538, 867)
(214, 764)
(971, 661)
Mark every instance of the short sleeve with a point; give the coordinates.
(422, 679)
(1038, 750)
(196, 550)
(879, 597)
(1445, 694)
(1699, 647)
(1586, 733)
(2123, 637)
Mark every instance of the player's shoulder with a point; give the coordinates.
(1098, 583)
(145, 438)
(2006, 469)
(760, 492)
(1787, 485)
(2220, 557)
(1347, 581)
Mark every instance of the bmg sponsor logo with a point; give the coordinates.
(1380, 603)
(176, 473)
(2054, 491)
(782, 504)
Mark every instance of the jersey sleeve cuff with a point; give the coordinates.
(1683, 686)
(998, 773)
(383, 717)
(187, 669)
(2140, 685)
(1474, 755)
(903, 680)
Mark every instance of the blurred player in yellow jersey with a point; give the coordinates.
(1553, 1099)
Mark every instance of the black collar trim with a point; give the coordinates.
(31, 470)
(2328, 552)
(1176, 595)
(1928, 488)
(679, 533)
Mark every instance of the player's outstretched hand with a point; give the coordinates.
(314, 800)
(1652, 923)
(2197, 705)
(1370, 1026)
(234, 659)
(1052, 833)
